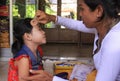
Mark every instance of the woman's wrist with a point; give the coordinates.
(53, 18)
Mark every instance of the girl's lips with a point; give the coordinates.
(44, 37)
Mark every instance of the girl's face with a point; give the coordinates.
(37, 34)
(88, 17)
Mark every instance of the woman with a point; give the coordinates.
(100, 17)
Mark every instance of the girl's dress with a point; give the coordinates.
(33, 62)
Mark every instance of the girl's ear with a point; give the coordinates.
(27, 36)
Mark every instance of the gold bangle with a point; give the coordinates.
(119, 13)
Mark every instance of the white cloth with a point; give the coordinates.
(55, 78)
(80, 71)
(107, 59)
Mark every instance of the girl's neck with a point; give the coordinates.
(33, 48)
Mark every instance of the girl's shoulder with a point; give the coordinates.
(21, 53)
(12, 60)
(21, 56)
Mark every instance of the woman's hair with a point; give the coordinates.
(111, 7)
(21, 27)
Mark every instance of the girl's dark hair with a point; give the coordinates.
(111, 7)
(21, 27)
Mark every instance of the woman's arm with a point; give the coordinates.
(40, 75)
(74, 24)
(44, 18)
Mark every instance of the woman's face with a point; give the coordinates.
(88, 17)
(37, 34)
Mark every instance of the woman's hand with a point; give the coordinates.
(39, 75)
(44, 18)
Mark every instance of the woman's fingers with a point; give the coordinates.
(43, 17)
(39, 75)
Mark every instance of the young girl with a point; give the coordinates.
(26, 49)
